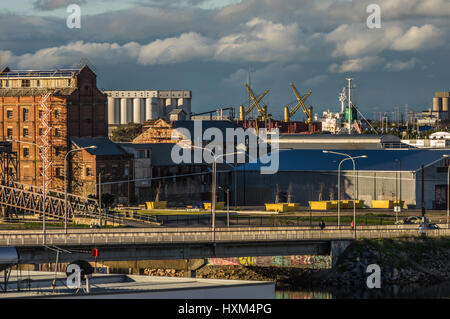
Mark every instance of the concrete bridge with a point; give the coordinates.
(193, 243)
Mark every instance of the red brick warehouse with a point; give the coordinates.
(76, 108)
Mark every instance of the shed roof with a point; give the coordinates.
(377, 160)
(104, 145)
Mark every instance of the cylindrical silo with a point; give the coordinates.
(148, 109)
(123, 111)
(117, 111)
(137, 110)
(111, 114)
(445, 104)
(437, 106)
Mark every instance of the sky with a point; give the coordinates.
(212, 47)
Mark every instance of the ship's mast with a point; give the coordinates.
(342, 99)
(349, 105)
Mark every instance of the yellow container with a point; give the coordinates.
(292, 207)
(346, 204)
(279, 207)
(381, 203)
(349, 204)
(219, 205)
(387, 204)
(156, 205)
(323, 205)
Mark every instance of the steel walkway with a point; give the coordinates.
(28, 198)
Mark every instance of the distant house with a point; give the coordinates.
(177, 115)
(110, 161)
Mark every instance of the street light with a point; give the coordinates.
(213, 186)
(354, 183)
(339, 185)
(65, 182)
(43, 186)
(448, 190)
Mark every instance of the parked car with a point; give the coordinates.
(414, 220)
(411, 220)
(424, 227)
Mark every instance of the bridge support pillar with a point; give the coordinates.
(192, 265)
(337, 248)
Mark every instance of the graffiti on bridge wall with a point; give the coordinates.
(303, 261)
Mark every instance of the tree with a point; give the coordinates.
(126, 133)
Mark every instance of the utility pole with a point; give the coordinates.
(423, 193)
(100, 195)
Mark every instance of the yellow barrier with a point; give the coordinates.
(292, 207)
(219, 205)
(387, 204)
(156, 205)
(323, 205)
(349, 204)
(280, 207)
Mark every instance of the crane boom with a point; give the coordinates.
(256, 101)
(301, 103)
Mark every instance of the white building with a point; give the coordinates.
(138, 106)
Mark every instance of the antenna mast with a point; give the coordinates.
(349, 106)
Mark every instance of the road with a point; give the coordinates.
(193, 235)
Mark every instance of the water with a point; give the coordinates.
(440, 291)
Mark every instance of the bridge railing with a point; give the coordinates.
(164, 235)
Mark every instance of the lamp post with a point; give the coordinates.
(448, 190)
(339, 185)
(65, 181)
(43, 187)
(213, 186)
(354, 182)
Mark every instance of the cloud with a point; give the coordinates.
(186, 47)
(262, 41)
(356, 65)
(72, 53)
(401, 65)
(355, 10)
(417, 38)
(49, 5)
(315, 81)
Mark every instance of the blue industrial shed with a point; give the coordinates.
(310, 174)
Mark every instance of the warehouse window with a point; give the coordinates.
(57, 114)
(57, 132)
(57, 151)
(9, 132)
(58, 172)
(25, 114)
(40, 114)
(38, 83)
(141, 154)
(7, 83)
(26, 152)
(126, 171)
(40, 131)
(88, 171)
(25, 132)
(9, 114)
(25, 83)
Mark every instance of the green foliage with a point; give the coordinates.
(126, 133)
